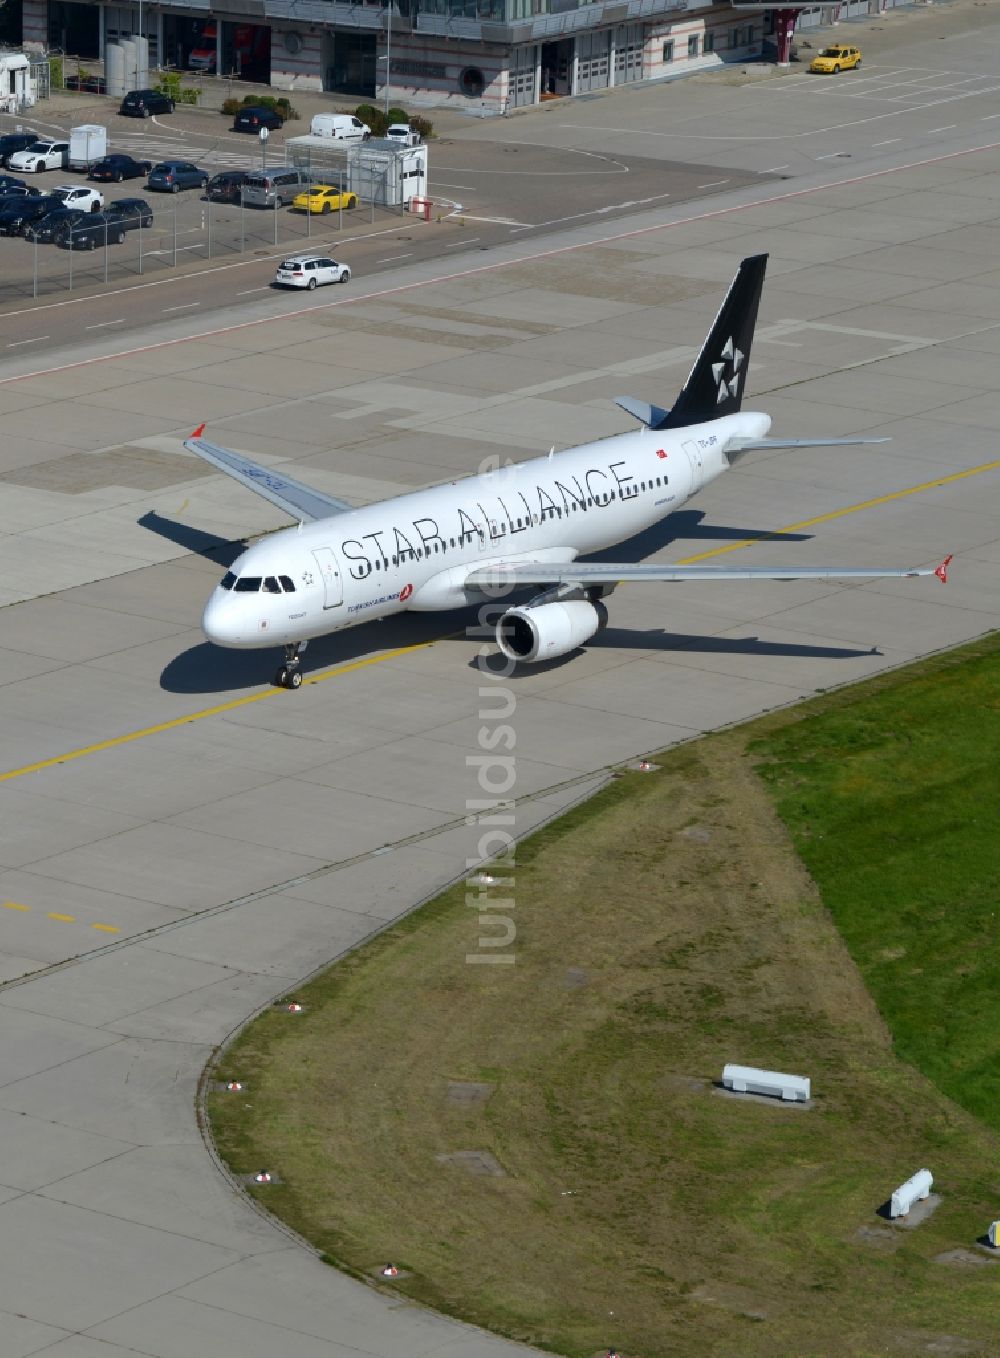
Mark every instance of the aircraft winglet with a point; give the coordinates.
(199, 431)
(942, 571)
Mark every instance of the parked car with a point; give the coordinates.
(268, 188)
(253, 118)
(324, 198)
(12, 142)
(79, 195)
(41, 155)
(310, 271)
(18, 213)
(9, 186)
(87, 233)
(833, 60)
(339, 127)
(116, 168)
(226, 187)
(170, 176)
(144, 103)
(130, 213)
(402, 133)
(48, 227)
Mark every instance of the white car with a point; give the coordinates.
(44, 155)
(310, 271)
(81, 196)
(402, 133)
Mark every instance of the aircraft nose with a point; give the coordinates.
(218, 622)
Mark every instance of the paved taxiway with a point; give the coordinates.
(213, 840)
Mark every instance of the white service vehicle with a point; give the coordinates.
(339, 127)
(468, 542)
(310, 271)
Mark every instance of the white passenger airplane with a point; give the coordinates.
(486, 536)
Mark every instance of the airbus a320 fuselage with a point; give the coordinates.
(528, 524)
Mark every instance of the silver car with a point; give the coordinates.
(310, 271)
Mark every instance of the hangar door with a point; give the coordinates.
(593, 57)
(628, 53)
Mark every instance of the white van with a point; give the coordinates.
(339, 127)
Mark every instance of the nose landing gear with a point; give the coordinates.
(290, 673)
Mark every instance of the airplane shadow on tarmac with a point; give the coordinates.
(210, 669)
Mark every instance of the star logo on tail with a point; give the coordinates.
(727, 373)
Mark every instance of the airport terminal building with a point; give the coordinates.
(485, 55)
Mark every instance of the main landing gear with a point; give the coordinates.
(290, 674)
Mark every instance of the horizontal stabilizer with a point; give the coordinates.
(587, 573)
(649, 415)
(758, 445)
(297, 500)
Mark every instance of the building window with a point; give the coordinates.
(693, 45)
(668, 53)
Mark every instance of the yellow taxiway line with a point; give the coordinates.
(354, 665)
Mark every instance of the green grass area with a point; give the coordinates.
(664, 928)
(894, 807)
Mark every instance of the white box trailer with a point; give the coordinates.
(88, 143)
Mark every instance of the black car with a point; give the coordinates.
(16, 141)
(129, 213)
(226, 187)
(253, 118)
(10, 186)
(96, 229)
(16, 214)
(144, 103)
(116, 168)
(47, 228)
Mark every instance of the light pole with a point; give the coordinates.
(388, 53)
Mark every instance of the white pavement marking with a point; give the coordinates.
(16, 344)
(186, 307)
(950, 128)
(716, 183)
(452, 244)
(390, 258)
(775, 168)
(250, 291)
(101, 325)
(890, 142)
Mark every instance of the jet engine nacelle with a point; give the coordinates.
(550, 630)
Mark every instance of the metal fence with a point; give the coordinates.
(185, 231)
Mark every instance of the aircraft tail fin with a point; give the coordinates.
(715, 384)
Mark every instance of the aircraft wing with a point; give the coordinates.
(756, 445)
(584, 573)
(297, 500)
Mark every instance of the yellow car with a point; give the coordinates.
(833, 60)
(324, 198)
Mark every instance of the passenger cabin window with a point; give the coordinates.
(248, 584)
(228, 580)
(287, 584)
(271, 585)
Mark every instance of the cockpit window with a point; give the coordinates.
(271, 585)
(228, 580)
(248, 584)
(287, 584)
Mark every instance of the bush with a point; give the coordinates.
(366, 112)
(230, 108)
(55, 73)
(377, 121)
(169, 84)
(188, 96)
(398, 115)
(422, 125)
(277, 103)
